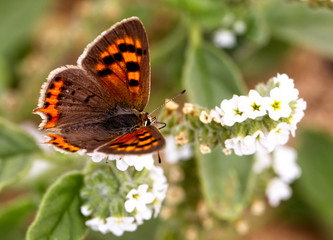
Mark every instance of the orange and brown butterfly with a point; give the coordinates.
(97, 106)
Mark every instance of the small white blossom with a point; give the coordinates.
(138, 199)
(97, 157)
(85, 210)
(277, 105)
(205, 117)
(276, 191)
(284, 164)
(287, 86)
(262, 145)
(97, 224)
(118, 225)
(234, 110)
(204, 148)
(297, 115)
(138, 161)
(224, 38)
(262, 161)
(256, 105)
(160, 188)
(143, 215)
(217, 115)
(174, 153)
(279, 135)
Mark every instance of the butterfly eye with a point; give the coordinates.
(148, 122)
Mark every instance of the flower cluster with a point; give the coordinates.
(283, 163)
(118, 201)
(263, 119)
(123, 162)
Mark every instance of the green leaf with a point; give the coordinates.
(17, 20)
(13, 217)
(209, 74)
(301, 25)
(15, 152)
(226, 181)
(59, 216)
(315, 184)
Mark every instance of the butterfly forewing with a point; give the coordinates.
(119, 58)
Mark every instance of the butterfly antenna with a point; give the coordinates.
(169, 100)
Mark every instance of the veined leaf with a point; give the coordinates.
(59, 216)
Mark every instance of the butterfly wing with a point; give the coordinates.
(74, 110)
(119, 59)
(144, 140)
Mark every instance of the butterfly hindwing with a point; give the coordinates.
(119, 59)
(141, 141)
(71, 97)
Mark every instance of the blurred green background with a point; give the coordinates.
(290, 37)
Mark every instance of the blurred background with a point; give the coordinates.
(293, 37)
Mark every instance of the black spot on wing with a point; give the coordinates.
(133, 83)
(132, 66)
(104, 72)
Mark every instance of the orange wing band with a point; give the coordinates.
(50, 103)
(60, 142)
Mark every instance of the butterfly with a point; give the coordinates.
(97, 106)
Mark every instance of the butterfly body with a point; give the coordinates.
(97, 106)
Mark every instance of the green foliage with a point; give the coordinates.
(300, 25)
(13, 217)
(226, 182)
(315, 185)
(16, 150)
(59, 216)
(17, 21)
(209, 75)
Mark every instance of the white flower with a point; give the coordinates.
(138, 199)
(234, 110)
(205, 148)
(143, 215)
(118, 225)
(85, 210)
(248, 145)
(276, 191)
(96, 156)
(224, 38)
(234, 143)
(138, 161)
(160, 188)
(279, 135)
(262, 161)
(277, 104)
(284, 164)
(297, 115)
(217, 115)
(174, 153)
(205, 117)
(242, 146)
(256, 105)
(261, 142)
(287, 86)
(97, 224)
